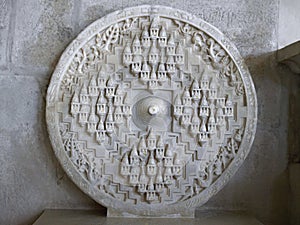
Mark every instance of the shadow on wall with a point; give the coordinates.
(291, 73)
(261, 187)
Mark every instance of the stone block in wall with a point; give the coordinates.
(22, 152)
(30, 178)
(42, 31)
(250, 26)
(5, 13)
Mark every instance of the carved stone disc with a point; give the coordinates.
(151, 111)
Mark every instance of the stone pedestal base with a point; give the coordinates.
(88, 217)
(189, 213)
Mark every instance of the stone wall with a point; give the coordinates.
(288, 18)
(33, 34)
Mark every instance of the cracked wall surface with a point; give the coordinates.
(32, 37)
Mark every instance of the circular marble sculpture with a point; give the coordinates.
(151, 111)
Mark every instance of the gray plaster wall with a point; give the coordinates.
(33, 34)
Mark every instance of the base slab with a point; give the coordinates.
(88, 217)
(112, 213)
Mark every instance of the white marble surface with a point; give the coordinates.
(151, 111)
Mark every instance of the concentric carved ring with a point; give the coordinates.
(150, 111)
